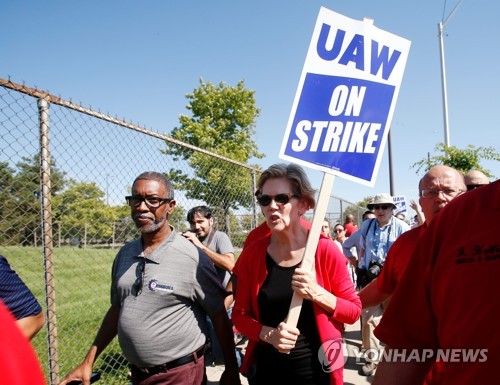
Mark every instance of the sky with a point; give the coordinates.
(138, 60)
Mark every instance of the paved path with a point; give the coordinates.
(352, 338)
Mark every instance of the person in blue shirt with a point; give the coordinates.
(377, 237)
(20, 301)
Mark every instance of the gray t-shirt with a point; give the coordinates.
(220, 243)
(166, 320)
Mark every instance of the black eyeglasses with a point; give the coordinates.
(337, 231)
(474, 186)
(151, 202)
(137, 286)
(381, 207)
(281, 199)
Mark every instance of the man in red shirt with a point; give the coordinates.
(450, 183)
(445, 303)
(349, 225)
(436, 189)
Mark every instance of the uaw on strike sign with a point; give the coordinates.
(346, 97)
(342, 111)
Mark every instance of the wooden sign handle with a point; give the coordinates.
(312, 243)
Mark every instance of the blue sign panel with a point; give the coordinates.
(349, 142)
(346, 97)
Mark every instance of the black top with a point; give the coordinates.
(301, 366)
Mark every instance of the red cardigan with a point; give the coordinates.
(331, 274)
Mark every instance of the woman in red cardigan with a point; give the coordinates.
(268, 272)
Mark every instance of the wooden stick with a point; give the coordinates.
(312, 243)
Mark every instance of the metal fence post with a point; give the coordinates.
(47, 237)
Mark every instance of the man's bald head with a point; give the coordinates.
(475, 178)
(438, 187)
(441, 171)
(349, 218)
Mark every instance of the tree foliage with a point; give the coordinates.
(81, 211)
(178, 218)
(7, 204)
(222, 121)
(357, 210)
(21, 204)
(460, 159)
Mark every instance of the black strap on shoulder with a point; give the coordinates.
(369, 227)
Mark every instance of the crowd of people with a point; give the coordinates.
(178, 297)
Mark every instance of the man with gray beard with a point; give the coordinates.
(162, 288)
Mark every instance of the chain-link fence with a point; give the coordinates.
(64, 172)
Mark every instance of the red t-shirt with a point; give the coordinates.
(397, 259)
(18, 362)
(447, 297)
(350, 229)
(394, 266)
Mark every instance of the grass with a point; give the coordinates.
(82, 283)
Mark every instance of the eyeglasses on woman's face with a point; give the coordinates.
(281, 199)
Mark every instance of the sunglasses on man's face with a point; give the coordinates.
(281, 199)
(474, 186)
(381, 207)
(137, 286)
(151, 202)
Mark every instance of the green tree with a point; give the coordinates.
(178, 218)
(460, 159)
(81, 211)
(357, 210)
(124, 227)
(222, 121)
(246, 223)
(7, 204)
(25, 206)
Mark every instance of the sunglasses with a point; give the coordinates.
(337, 231)
(151, 202)
(474, 186)
(381, 207)
(281, 199)
(137, 286)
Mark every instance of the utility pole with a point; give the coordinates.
(391, 174)
(441, 27)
